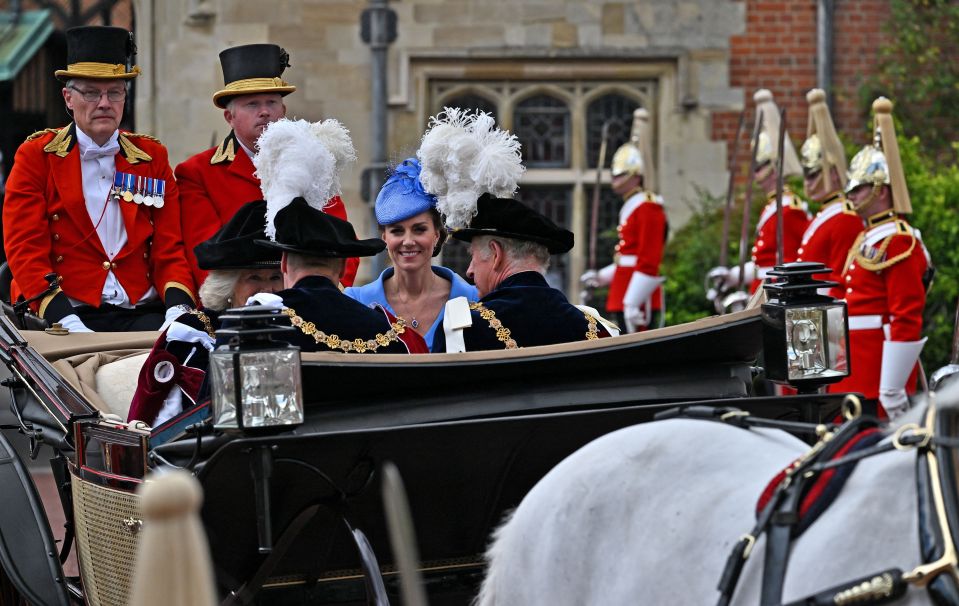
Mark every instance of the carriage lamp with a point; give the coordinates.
(805, 334)
(255, 381)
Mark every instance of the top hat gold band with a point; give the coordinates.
(94, 69)
(255, 84)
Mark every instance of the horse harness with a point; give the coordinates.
(786, 508)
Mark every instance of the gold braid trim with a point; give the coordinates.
(205, 320)
(356, 345)
(855, 253)
(60, 145)
(503, 334)
(40, 133)
(225, 152)
(131, 152)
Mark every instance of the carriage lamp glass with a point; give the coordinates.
(255, 382)
(805, 334)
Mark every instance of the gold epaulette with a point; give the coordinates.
(848, 207)
(40, 133)
(142, 135)
(132, 153)
(874, 258)
(61, 144)
(226, 151)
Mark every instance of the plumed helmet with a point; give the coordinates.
(635, 156)
(879, 162)
(822, 150)
(767, 144)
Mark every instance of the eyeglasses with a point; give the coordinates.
(92, 96)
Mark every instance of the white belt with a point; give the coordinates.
(865, 322)
(627, 260)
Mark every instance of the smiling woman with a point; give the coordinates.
(413, 288)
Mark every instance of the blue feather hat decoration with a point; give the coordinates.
(403, 196)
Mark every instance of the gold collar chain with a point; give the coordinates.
(205, 320)
(503, 333)
(356, 345)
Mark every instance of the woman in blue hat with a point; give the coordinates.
(412, 228)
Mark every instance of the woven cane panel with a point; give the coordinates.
(105, 545)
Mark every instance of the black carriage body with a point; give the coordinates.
(470, 433)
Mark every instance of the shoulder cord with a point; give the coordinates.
(503, 334)
(356, 345)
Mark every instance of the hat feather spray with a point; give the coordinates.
(297, 158)
(463, 156)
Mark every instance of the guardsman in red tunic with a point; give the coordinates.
(796, 217)
(885, 275)
(215, 183)
(836, 225)
(635, 286)
(96, 206)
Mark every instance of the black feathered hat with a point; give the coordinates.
(510, 218)
(252, 69)
(302, 229)
(99, 52)
(234, 246)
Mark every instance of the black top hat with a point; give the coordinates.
(234, 245)
(302, 229)
(99, 52)
(252, 69)
(512, 219)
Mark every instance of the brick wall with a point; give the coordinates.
(777, 51)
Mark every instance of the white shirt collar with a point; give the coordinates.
(85, 142)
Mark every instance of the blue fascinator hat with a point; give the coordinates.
(403, 196)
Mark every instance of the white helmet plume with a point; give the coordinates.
(463, 155)
(296, 158)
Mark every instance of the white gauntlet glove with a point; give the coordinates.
(898, 360)
(73, 323)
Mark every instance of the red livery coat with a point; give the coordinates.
(47, 228)
(214, 184)
(795, 220)
(828, 239)
(883, 278)
(642, 234)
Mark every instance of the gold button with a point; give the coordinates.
(848, 290)
(144, 255)
(148, 274)
(60, 259)
(56, 237)
(848, 278)
(55, 217)
(60, 279)
(106, 265)
(799, 251)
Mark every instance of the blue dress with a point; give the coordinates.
(374, 293)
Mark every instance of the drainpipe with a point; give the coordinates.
(824, 46)
(378, 30)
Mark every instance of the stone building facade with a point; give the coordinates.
(551, 70)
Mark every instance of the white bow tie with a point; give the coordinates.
(92, 153)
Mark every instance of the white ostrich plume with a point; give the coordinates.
(298, 159)
(463, 155)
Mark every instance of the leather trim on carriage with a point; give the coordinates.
(937, 507)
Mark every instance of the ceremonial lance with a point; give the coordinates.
(594, 209)
(724, 250)
(747, 204)
(779, 187)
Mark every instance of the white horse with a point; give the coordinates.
(649, 514)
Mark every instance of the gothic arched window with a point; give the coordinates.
(472, 101)
(542, 124)
(617, 111)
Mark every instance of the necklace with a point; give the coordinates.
(407, 311)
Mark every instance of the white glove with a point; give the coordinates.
(641, 288)
(594, 279)
(894, 401)
(732, 278)
(267, 299)
(714, 284)
(635, 316)
(73, 323)
(898, 360)
(172, 313)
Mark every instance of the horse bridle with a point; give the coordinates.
(937, 463)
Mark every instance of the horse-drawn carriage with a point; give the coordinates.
(471, 434)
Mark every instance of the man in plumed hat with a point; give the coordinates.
(96, 206)
(885, 275)
(510, 245)
(216, 182)
(315, 247)
(837, 225)
(635, 291)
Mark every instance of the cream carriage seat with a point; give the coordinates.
(102, 366)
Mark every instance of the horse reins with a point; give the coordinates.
(778, 519)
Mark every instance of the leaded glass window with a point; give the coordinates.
(618, 111)
(542, 124)
(472, 101)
